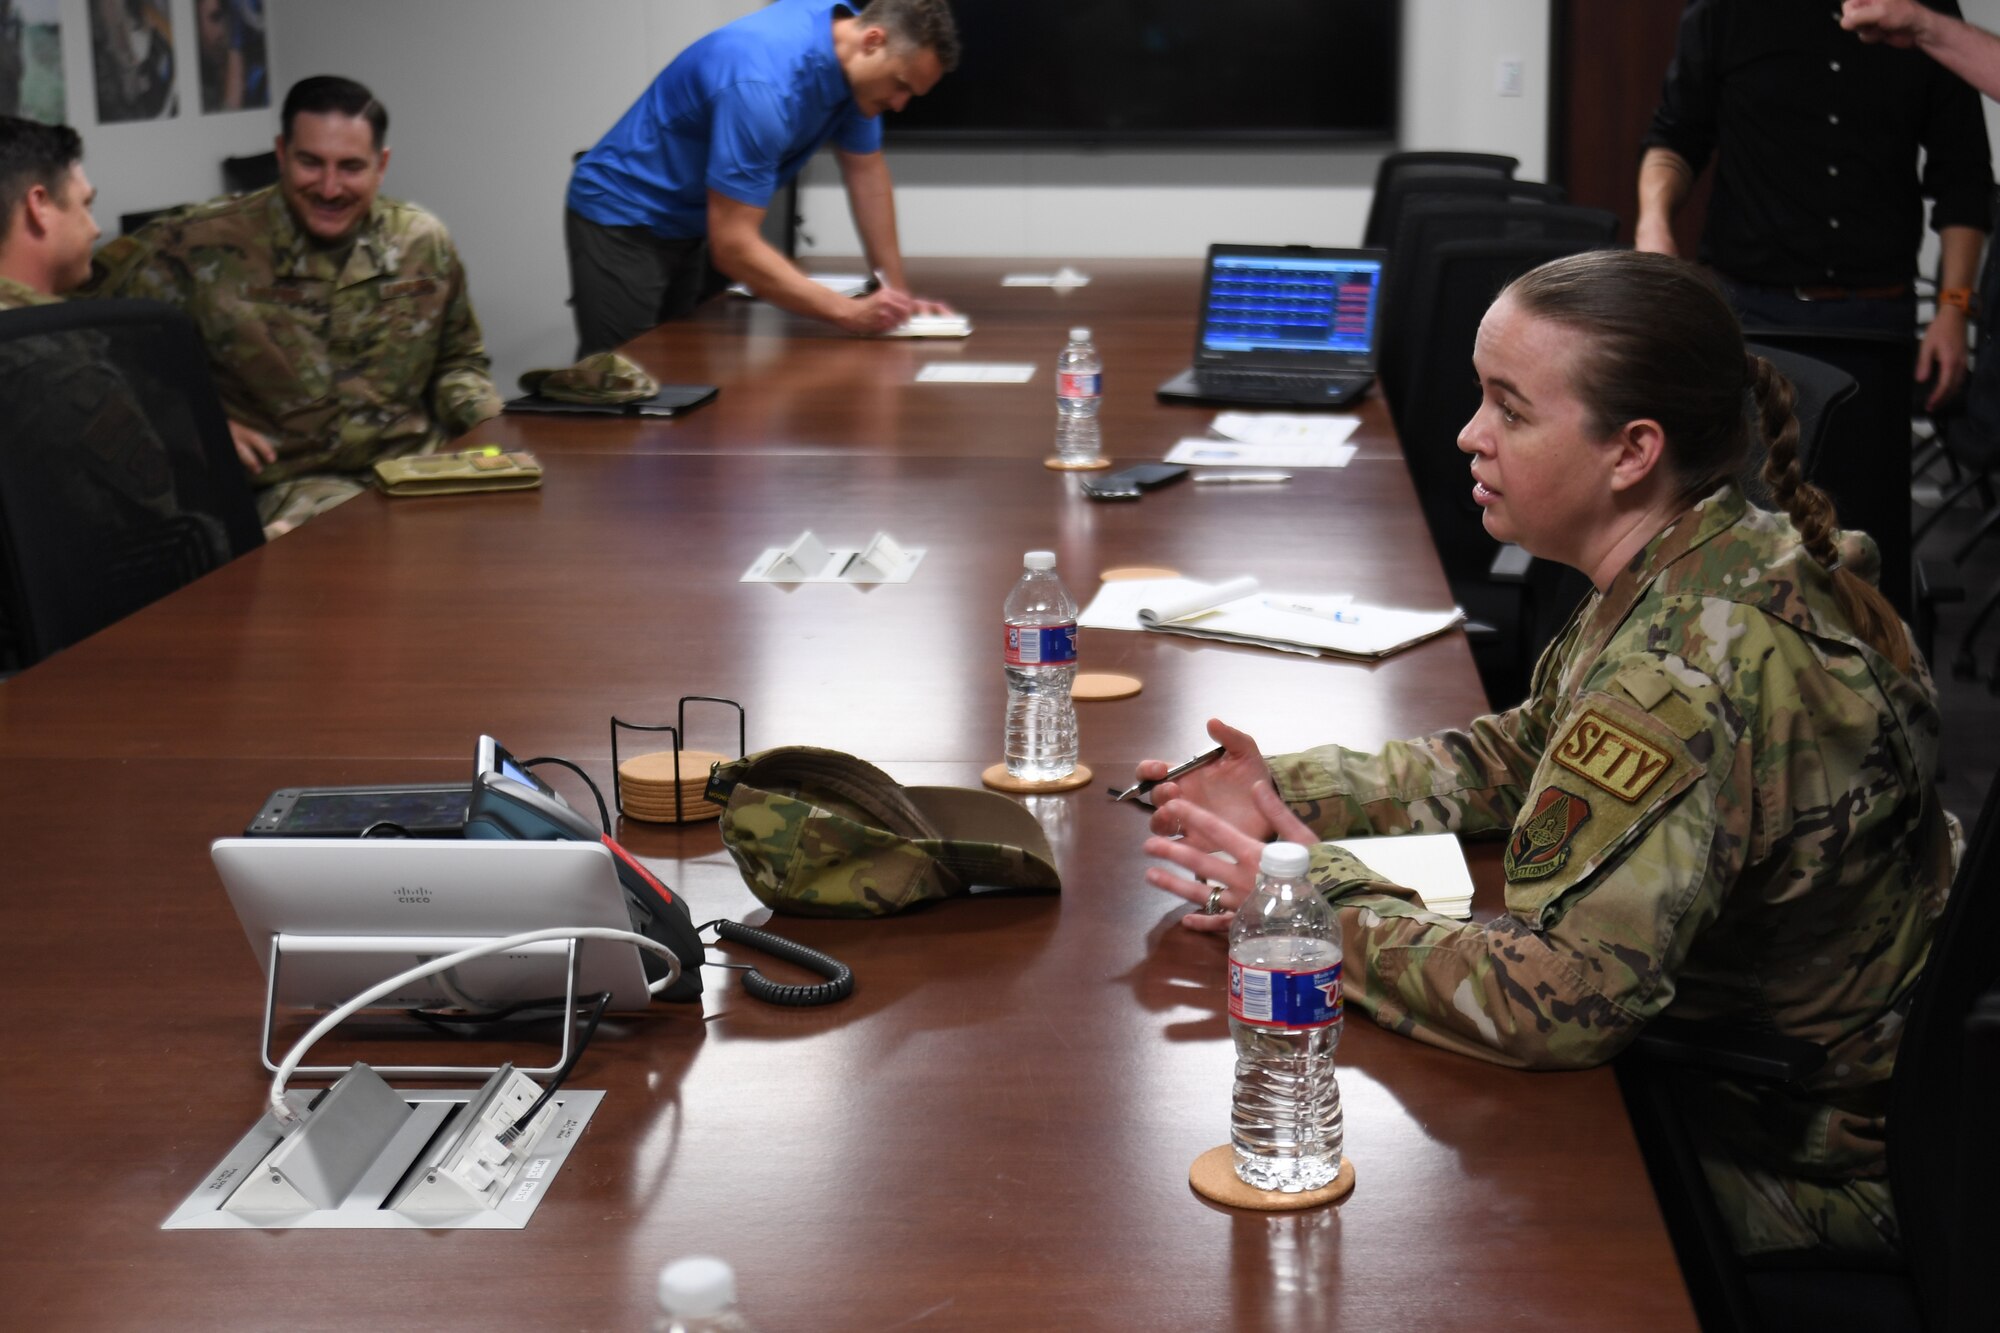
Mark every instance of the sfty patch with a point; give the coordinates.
(1607, 755)
(1541, 842)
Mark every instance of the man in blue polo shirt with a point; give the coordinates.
(679, 187)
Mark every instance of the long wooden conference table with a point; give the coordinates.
(995, 1130)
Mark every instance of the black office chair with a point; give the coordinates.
(1863, 461)
(1471, 210)
(240, 175)
(1398, 168)
(1944, 1102)
(118, 479)
(1454, 285)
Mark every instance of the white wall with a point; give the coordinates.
(488, 99)
(150, 164)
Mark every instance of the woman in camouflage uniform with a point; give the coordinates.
(1718, 796)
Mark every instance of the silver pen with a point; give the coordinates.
(1145, 787)
(1207, 478)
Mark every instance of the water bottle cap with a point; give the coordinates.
(1284, 860)
(1039, 560)
(1079, 334)
(697, 1287)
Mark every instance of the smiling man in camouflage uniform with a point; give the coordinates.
(337, 322)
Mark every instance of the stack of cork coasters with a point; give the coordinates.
(647, 789)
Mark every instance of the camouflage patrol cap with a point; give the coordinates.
(601, 377)
(820, 833)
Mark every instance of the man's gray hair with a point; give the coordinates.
(927, 24)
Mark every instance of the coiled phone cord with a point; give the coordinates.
(839, 983)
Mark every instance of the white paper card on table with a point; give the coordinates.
(809, 560)
(975, 372)
(1202, 451)
(1285, 427)
(840, 284)
(804, 558)
(1431, 863)
(932, 326)
(882, 560)
(1238, 612)
(1065, 278)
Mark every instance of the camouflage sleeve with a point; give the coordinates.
(1459, 781)
(132, 266)
(1636, 820)
(461, 388)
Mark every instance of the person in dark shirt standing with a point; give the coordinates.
(1818, 209)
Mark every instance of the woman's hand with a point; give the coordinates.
(1223, 786)
(1216, 851)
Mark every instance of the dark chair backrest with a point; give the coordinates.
(1819, 390)
(1455, 284)
(1397, 168)
(1433, 218)
(240, 175)
(1863, 458)
(118, 479)
(1941, 1158)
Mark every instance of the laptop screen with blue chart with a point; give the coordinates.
(1284, 303)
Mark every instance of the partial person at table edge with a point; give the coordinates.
(1966, 50)
(1718, 797)
(667, 207)
(46, 225)
(338, 323)
(1826, 148)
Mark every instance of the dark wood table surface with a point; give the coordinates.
(994, 1132)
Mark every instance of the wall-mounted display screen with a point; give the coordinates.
(1164, 71)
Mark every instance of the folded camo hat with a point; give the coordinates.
(601, 377)
(821, 833)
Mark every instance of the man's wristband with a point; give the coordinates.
(1959, 298)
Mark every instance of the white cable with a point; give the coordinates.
(283, 1110)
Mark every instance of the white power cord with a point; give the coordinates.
(282, 1109)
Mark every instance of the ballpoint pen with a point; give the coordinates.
(1145, 787)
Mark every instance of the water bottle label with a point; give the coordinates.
(1275, 999)
(1045, 645)
(1070, 384)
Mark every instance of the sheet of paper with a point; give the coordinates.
(1064, 277)
(1431, 863)
(1285, 427)
(840, 284)
(1202, 451)
(932, 326)
(975, 372)
(1309, 623)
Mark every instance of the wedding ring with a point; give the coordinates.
(1214, 907)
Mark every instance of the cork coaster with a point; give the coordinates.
(1098, 686)
(1055, 464)
(657, 768)
(1213, 1176)
(1126, 572)
(996, 777)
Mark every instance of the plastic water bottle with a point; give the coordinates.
(1041, 666)
(698, 1295)
(1079, 376)
(1079, 390)
(1284, 1012)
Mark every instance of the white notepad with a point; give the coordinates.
(1240, 612)
(1431, 863)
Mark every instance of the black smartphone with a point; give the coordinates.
(425, 810)
(1127, 484)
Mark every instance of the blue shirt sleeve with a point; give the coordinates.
(857, 133)
(746, 143)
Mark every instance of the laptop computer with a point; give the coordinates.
(1284, 326)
